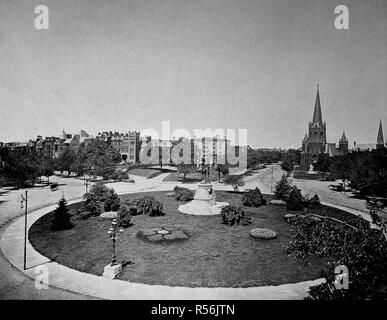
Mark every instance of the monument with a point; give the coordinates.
(204, 202)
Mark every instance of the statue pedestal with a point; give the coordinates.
(112, 271)
(204, 202)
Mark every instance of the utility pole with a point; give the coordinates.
(25, 232)
(271, 183)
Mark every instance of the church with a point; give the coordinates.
(315, 140)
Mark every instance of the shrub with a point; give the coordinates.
(253, 198)
(99, 199)
(61, 217)
(183, 194)
(234, 215)
(282, 188)
(312, 202)
(295, 200)
(150, 206)
(123, 216)
(120, 176)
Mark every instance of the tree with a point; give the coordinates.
(290, 159)
(282, 188)
(66, 160)
(20, 169)
(323, 163)
(185, 168)
(341, 167)
(221, 169)
(100, 156)
(61, 217)
(235, 181)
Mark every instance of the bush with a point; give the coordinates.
(183, 194)
(150, 206)
(112, 202)
(312, 202)
(295, 200)
(61, 217)
(282, 188)
(99, 199)
(234, 215)
(253, 198)
(123, 216)
(119, 176)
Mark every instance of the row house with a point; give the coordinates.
(128, 144)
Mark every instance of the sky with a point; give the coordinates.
(128, 65)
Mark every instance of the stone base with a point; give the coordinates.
(112, 271)
(202, 208)
(204, 203)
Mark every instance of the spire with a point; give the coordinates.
(343, 138)
(317, 116)
(380, 139)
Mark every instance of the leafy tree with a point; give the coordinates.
(20, 169)
(66, 161)
(100, 156)
(323, 163)
(221, 169)
(235, 181)
(282, 188)
(185, 168)
(61, 219)
(290, 159)
(341, 167)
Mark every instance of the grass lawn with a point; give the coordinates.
(190, 177)
(215, 255)
(144, 172)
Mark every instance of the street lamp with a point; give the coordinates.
(112, 233)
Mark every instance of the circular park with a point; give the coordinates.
(178, 249)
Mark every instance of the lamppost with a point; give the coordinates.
(112, 233)
(85, 182)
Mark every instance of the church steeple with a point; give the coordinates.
(343, 138)
(317, 116)
(380, 138)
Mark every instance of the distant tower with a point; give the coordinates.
(343, 143)
(316, 139)
(380, 139)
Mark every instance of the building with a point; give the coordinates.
(128, 144)
(212, 149)
(315, 139)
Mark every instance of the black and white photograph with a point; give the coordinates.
(201, 151)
